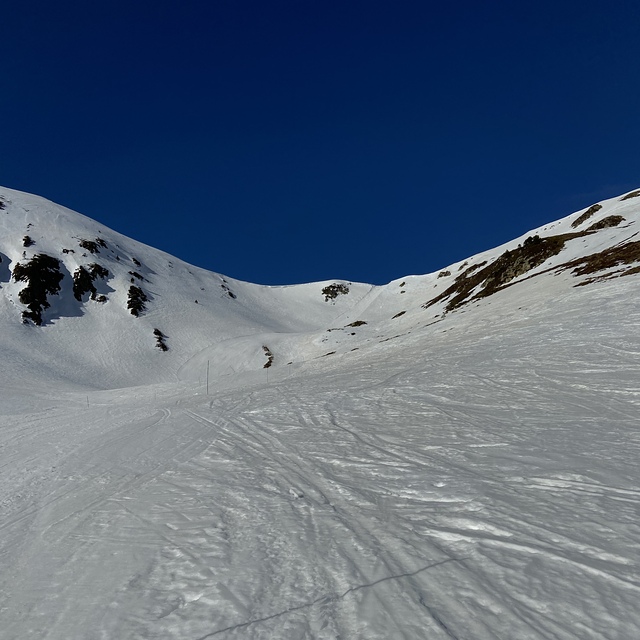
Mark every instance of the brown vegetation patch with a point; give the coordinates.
(633, 194)
(623, 254)
(586, 215)
(471, 269)
(511, 264)
(392, 337)
(357, 323)
(631, 272)
(609, 221)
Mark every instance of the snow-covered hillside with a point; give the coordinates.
(452, 455)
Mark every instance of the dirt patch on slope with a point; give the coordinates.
(621, 255)
(510, 265)
(609, 221)
(586, 215)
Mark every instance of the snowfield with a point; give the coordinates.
(469, 474)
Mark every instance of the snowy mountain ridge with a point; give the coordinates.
(115, 303)
(449, 456)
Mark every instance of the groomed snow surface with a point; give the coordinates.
(470, 476)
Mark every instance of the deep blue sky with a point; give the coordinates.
(284, 141)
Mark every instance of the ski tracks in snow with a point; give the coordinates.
(307, 555)
(473, 497)
(67, 526)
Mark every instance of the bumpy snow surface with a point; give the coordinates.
(469, 474)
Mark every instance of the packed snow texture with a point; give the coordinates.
(469, 475)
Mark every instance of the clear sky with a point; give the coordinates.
(285, 141)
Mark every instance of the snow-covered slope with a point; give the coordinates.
(96, 340)
(93, 338)
(452, 455)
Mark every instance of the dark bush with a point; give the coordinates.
(92, 245)
(98, 271)
(332, 291)
(82, 283)
(160, 340)
(27, 241)
(226, 289)
(136, 300)
(532, 240)
(42, 275)
(269, 355)
(83, 280)
(136, 262)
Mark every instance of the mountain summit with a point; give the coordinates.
(449, 456)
